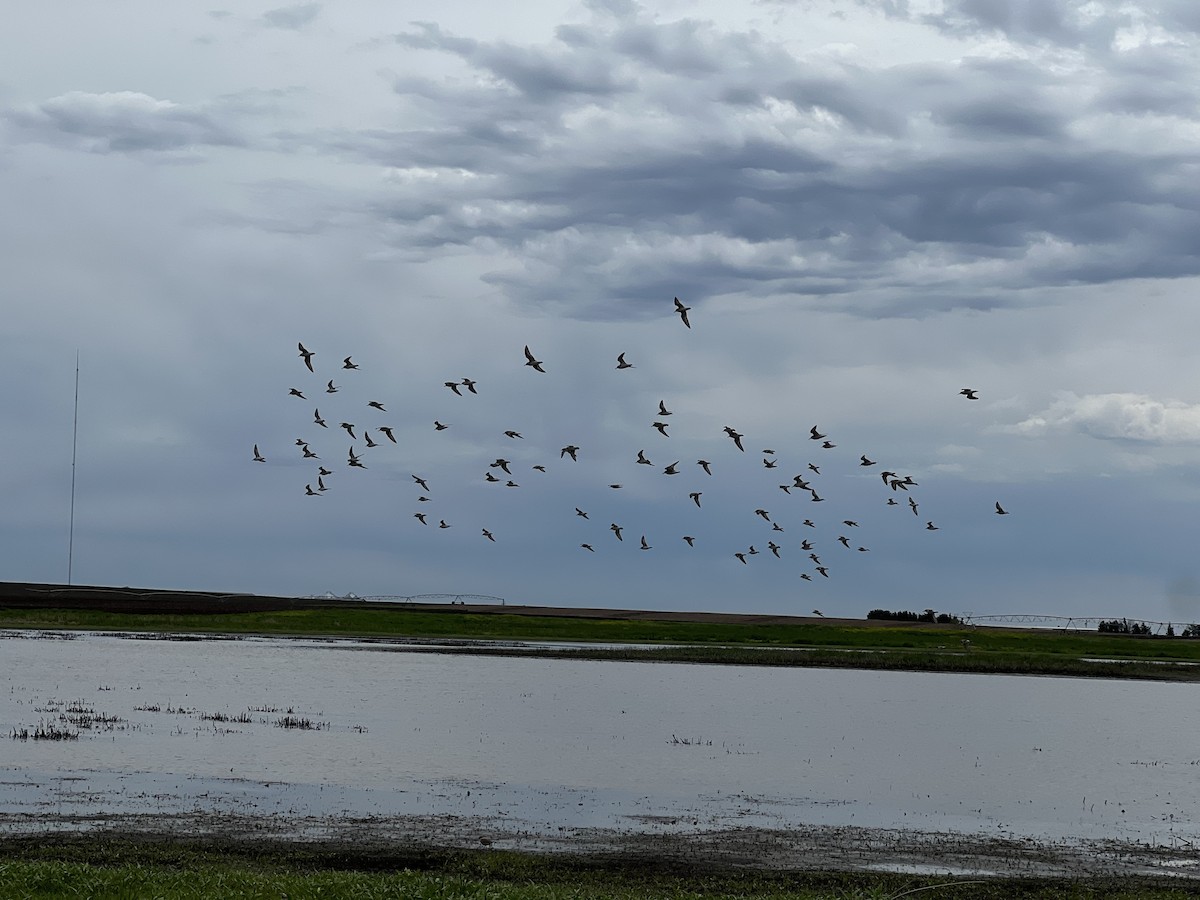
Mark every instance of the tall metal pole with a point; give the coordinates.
(74, 442)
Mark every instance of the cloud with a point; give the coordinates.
(292, 17)
(118, 122)
(1132, 417)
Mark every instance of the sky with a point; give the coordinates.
(866, 205)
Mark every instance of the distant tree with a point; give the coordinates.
(1170, 630)
(1191, 631)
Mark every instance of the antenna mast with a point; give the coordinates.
(74, 442)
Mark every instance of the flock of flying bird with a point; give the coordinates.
(499, 471)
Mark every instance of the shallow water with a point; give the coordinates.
(552, 744)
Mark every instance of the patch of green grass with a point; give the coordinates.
(922, 647)
(114, 867)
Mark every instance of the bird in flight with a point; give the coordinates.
(1000, 510)
(329, 388)
(258, 457)
(704, 464)
(349, 429)
(662, 428)
(645, 546)
(616, 529)
(487, 534)
(531, 362)
(642, 461)
(310, 492)
(421, 481)
(865, 461)
(439, 426)
(774, 548)
(970, 393)
(816, 469)
(442, 523)
(501, 464)
(354, 460)
(469, 385)
(742, 557)
(317, 418)
(672, 469)
(622, 364)
(346, 364)
(367, 438)
(579, 512)
(737, 438)
(662, 409)
(691, 541)
(913, 505)
(766, 516)
(695, 495)
(538, 468)
(453, 385)
(806, 576)
(420, 517)
(513, 434)
(387, 430)
(929, 526)
(683, 311)
(490, 477)
(588, 547)
(817, 612)
(295, 392)
(321, 484)
(615, 487)
(828, 445)
(375, 404)
(816, 435)
(569, 450)
(849, 523)
(307, 354)
(769, 463)
(824, 571)
(321, 470)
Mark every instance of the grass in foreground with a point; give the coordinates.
(919, 647)
(103, 867)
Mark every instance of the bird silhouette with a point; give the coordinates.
(442, 523)
(774, 548)
(641, 459)
(645, 546)
(375, 404)
(569, 450)
(487, 534)
(1000, 510)
(531, 362)
(387, 430)
(513, 434)
(354, 460)
(742, 558)
(662, 409)
(691, 541)
(622, 364)
(588, 547)
(295, 392)
(579, 512)
(310, 492)
(453, 385)
(616, 529)
(420, 517)
(816, 435)
(662, 428)
(672, 469)
(683, 311)
(469, 385)
(766, 516)
(307, 354)
(421, 481)
(329, 387)
(929, 526)
(367, 438)
(865, 461)
(439, 426)
(970, 393)
(501, 464)
(704, 464)
(258, 457)
(349, 429)
(737, 438)
(695, 495)
(317, 420)
(346, 364)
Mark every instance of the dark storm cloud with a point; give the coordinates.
(629, 159)
(118, 122)
(292, 17)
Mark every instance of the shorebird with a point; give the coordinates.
(453, 385)
(766, 516)
(329, 388)
(849, 523)
(442, 523)
(828, 445)
(621, 364)
(817, 612)
(588, 547)
(865, 461)
(321, 484)
(816, 469)
(929, 526)
(439, 426)
(704, 464)
(769, 463)
(769, 452)
(487, 534)
(662, 409)
(809, 523)
(375, 404)
(799, 482)
(258, 457)
(615, 487)
(691, 541)
(806, 576)
(815, 498)
(816, 559)
(775, 526)
(806, 544)
(317, 420)
(501, 464)
(742, 557)
(616, 529)
(887, 476)
(538, 468)
(420, 517)
(295, 392)
(569, 450)
(421, 481)
(307, 354)
(469, 385)
(774, 548)
(913, 505)
(354, 460)
(662, 428)
(349, 429)
(671, 469)
(844, 541)
(490, 477)
(513, 434)
(346, 364)
(824, 571)
(387, 430)
(645, 546)
(641, 459)
(752, 551)
(737, 438)
(683, 311)
(321, 470)
(891, 501)
(310, 492)
(786, 488)
(695, 495)
(579, 512)
(531, 362)
(367, 438)
(308, 454)
(970, 393)
(815, 435)
(511, 483)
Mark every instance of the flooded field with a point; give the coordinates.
(306, 737)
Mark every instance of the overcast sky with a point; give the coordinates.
(868, 205)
